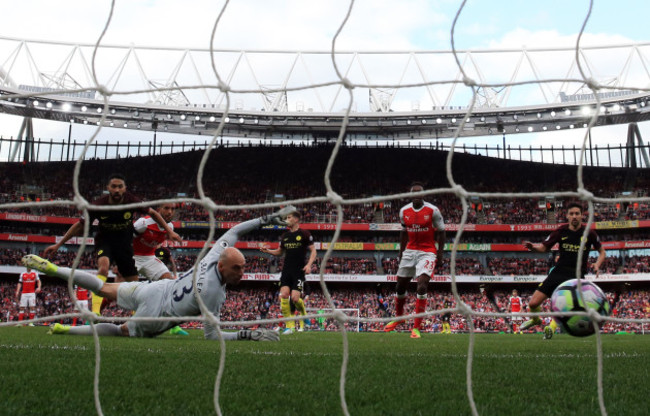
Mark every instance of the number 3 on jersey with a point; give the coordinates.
(185, 289)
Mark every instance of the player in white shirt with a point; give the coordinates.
(421, 246)
(222, 266)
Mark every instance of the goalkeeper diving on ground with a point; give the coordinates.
(222, 266)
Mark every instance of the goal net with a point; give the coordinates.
(480, 86)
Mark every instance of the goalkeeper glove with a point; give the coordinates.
(278, 216)
(258, 335)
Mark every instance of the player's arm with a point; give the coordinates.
(140, 225)
(403, 241)
(18, 288)
(441, 236)
(233, 235)
(600, 260)
(171, 234)
(260, 334)
(536, 247)
(173, 266)
(75, 230)
(275, 252)
(38, 285)
(312, 258)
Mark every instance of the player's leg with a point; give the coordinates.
(425, 266)
(420, 303)
(31, 305)
(108, 291)
(549, 330)
(153, 269)
(400, 301)
(544, 291)
(103, 266)
(123, 258)
(405, 272)
(285, 306)
(103, 330)
(21, 310)
(445, 324)
(535, 305)
(300, 306)
(81, 278)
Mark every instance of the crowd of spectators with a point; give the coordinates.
(354, 175)
(255, 303)
(508, 266)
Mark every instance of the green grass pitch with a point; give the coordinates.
(387, 374)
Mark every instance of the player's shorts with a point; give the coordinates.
(28, 300)
(555, 278)
(84, 304)
(517, 318)
(416, 263)
(294, 279)
(150, 267)
(147, 300)
(120, 252)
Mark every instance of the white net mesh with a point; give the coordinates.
(482, 91)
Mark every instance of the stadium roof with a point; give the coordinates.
(299, 94)
(375, 126)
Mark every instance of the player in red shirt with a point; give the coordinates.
(28, 286)
(149, 235)
(82, 301)
(515, 307)
(423, 228)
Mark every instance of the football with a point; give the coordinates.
(567, 298)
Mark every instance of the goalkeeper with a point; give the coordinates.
(222, 266)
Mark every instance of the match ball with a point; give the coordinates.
(567, 298)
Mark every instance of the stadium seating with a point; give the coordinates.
(261, 303)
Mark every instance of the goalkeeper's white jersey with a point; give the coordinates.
(179, 296)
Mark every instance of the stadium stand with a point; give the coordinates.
(259, 303)
(370, 252)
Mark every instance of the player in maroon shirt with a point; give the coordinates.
(568, 237)
(294, 244)
(114, 237)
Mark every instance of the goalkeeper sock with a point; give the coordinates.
(103, 330)
(420, 306)
(400, 300)
(81, 278)
(97, 300)
(553, 325)
(285, 308)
